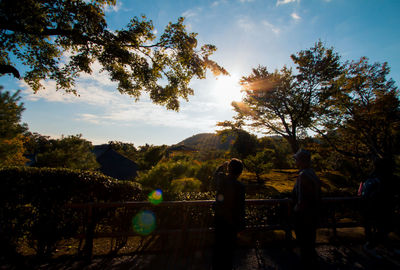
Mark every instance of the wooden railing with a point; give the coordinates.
(282, 208)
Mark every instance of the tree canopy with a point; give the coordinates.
(361, 112)
(71, 152)
(61, 39)
(285, 103)
(11, 129)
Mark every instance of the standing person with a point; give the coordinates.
(229, 212)
(377, 194)
(306, 197)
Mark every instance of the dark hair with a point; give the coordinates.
(235, 166)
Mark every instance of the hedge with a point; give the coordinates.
(32, 203)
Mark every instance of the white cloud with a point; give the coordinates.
(116, 109)
(295, 16)
(246, 1)
(217, 3)
(272, 27)
(151, 115)
(191, 13)
(246, 24)
(115, 8)
(284, 2)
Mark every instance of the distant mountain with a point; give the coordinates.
(207, 141)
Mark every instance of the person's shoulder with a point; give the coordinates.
(308, 174)
(239, 185)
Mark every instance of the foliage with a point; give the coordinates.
(207, 141)
(72, 152)
(245, 144)
(126, 149)
(33, 202)
(259, 163)
(12, 151)
(38, 35)
(205, 173)
(185, 185)
(11, 130)
(283, 103)
(162, 175)
(362, 112)
(149, 155)
(282, 153)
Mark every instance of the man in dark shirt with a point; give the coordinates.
(306, 197)
(229, 212)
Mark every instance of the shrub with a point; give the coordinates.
(161, 175)
(205, 173)
(185, 185)
(32, 202)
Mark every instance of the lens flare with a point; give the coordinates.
(144, 222)
(155, 197)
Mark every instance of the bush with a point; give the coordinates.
(205, 174)
(161, 175)
(185, 185)
(32, 202)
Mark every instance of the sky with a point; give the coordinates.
(247, 33)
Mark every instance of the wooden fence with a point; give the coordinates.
(196, 217)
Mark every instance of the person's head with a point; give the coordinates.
(235, 167)
(302, 158)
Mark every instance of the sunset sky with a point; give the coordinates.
(247, 33)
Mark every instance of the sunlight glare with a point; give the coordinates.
(227, 89)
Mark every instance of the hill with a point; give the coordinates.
(207, 141)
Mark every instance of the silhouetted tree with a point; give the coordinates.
(72, 152)
(361, 112)
(259, 163)
(60, 39)
(284, 103)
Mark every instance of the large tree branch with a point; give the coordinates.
(43, 32)
(4, 69)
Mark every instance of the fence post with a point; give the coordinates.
(89, 234)
(185, 225)
(288, 229)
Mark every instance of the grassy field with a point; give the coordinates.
(279, 183)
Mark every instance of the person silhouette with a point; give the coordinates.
(306, 198)
(229, 212)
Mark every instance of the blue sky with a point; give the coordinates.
(246, 32)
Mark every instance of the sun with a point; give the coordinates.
(227, 89)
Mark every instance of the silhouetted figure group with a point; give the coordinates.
(230, 209)
(306, 195)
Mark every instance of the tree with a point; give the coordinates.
(149, 155)
(11, 130)
(282, 153)
(127, 149)
(259, 163)
(35, 35)
(72, 152)
(284, 103)
(243, 144)
(361, 112)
